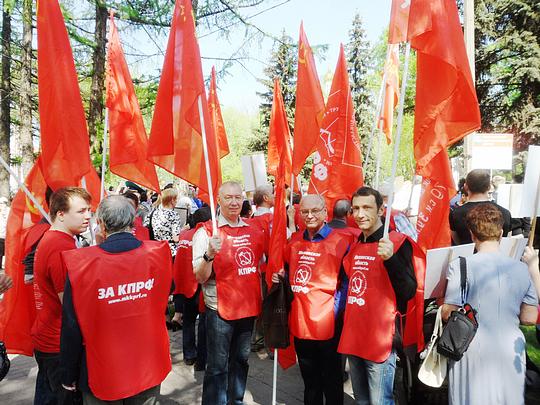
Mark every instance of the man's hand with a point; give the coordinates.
(275, 276)
(385, 249)
(5, 283)
(214, 246)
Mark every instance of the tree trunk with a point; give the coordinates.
(27, 145)
(95, 114)
(5, 96)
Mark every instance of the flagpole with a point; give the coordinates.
(26, 191)
(378, 168)
(398, 138)
(104, 158)
(207, 167)
(378, 111)
(274, 378)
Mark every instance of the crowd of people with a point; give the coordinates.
(102, 311)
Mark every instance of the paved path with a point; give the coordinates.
(182, 385)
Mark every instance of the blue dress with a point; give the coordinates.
(492, 371)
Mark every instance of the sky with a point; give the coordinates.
(325, 23)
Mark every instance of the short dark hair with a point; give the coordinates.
(203, 214)
(61, 199)
(366, 191)
(341, 209)
(133, 197)
(478, 181)
(246, 210)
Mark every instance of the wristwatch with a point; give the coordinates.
(207, 259)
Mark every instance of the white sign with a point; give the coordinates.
(531, 183)
(491, 151)
(437, 261)
(509, 196)
(254, 171)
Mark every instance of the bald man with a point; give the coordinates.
(314, 258)
(226, 265)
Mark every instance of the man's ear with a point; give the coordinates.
(60, 215)
(381, 210)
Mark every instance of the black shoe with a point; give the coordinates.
(189, 362)
(199, 366)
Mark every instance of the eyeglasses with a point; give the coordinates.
(314, 212)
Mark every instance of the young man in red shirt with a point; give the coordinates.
(70, 216)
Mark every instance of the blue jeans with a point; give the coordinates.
(373, 383)
(228, 347)
(194, 346)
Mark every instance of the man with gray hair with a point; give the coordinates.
(263, 198)
(226, 264)
(120, 285)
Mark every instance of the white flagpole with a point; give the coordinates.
(104, 158)
(398, 138)
(378, 168)
(207, 167)
(26, 191)
(378, 111)
(90, 222)
(274, 379)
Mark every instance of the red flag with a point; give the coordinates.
(64, 135)
(391, 92)
(17, 308)
(279, 128)
(217, 119)
(446, 109)
(399, 19)
(337, 164)
(176, 142)
(309, 105)
(128, 138)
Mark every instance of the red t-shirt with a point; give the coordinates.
(49, 281)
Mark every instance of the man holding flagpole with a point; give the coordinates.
(381, 282)
(226, 264)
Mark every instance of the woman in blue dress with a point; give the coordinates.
(492, 371)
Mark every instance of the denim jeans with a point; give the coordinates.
(228, 348)
(48, 386)
(194, 346)
(373, 383)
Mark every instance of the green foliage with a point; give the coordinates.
(282, 66)
(239, 126)
(508, 67)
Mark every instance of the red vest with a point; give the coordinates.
(238, 281)
(370, 312)
(139, 231)
(313, 275)
(184, 279)
(119, 300)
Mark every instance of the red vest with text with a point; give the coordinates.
(370, 312)
(119, 300)
(314, 275)
(184, 279)
(238, 281)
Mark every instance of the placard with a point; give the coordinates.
(531, 183)
(254, 171)
(492, 151)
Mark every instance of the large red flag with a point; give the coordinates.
(391, 92)
(309, 105)
(217, 119)
(176, 142)
(337, 164)
(399, 19)
(446, 109)
(64, 135)
(279, 128)
(280, 136)
(17, 308)
(128, 138)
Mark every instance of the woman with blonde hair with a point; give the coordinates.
(500, 289)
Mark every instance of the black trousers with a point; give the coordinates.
(321, 369)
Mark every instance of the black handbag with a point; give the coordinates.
(275, 315)
(4, 361)
(461, 326)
